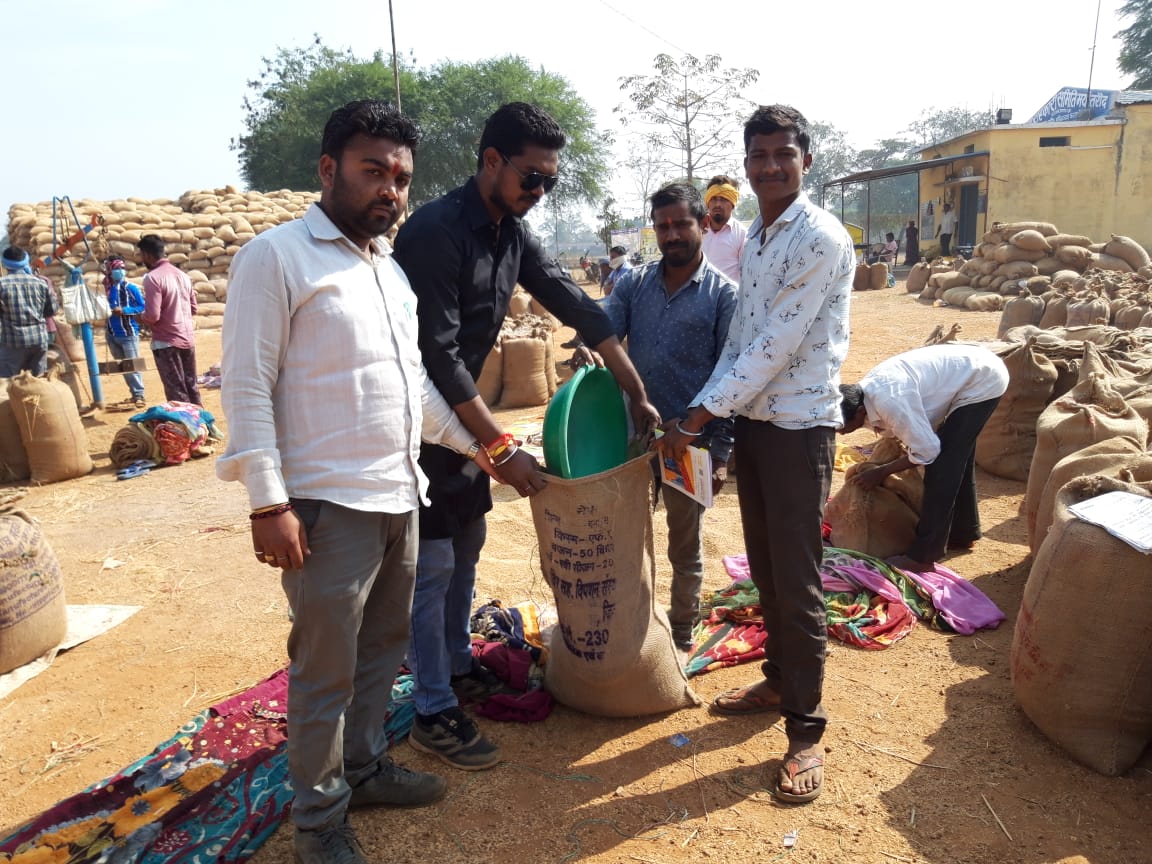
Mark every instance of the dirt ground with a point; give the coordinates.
(929, 759)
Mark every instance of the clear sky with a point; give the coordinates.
(142, 97)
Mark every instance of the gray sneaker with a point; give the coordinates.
(398, 786)
(455, 740)
(336, 844)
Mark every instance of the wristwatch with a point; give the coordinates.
(473, 451)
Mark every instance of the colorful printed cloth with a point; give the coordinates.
(215, 791)
(870, 604)
(181, 430)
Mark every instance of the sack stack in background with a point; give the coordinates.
(520, 371)
(202, 230)
(1034, 257)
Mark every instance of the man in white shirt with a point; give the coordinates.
(934, 400)
(327, 403)
(946, 229)
(724, 238)
(779, 375)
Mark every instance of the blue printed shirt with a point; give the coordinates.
(675, 340)
(129, 299)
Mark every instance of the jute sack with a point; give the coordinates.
(491, 380)
(1091, 412)
(519, 304)
(917, 278)
(524, 377)
(50, 428)
(1128, 250)
(1055, 312)
(612, 653)
(1023, 309)
(1007, 441)
(860, 278)
(878, 276)
(1109, 458)
(32, 614)
(13, 456)
(881, 521)
(1081, 652)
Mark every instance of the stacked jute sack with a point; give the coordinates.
(520, 371)
(1123, 300)
(1048, 371)
(41, 436)
(202, 230)
(1025, 257)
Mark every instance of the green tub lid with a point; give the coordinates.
(586, 425)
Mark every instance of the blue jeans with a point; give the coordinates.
(441, 644)
(127, 348)
(16, 359)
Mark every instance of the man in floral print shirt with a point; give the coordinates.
(779, 375)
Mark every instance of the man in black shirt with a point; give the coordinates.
(464, 253)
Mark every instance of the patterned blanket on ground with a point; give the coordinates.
(215, 791)
(871, 605)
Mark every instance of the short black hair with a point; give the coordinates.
(777, 118)
(722, 179)
(618, 248)
(373, 117)
(851, 401)
(674, 193)
(151, 244)
(14, 253)
(890, 236)
(517, 125)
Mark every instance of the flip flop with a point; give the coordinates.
(794, 765)
(753, 699)
(136, 469)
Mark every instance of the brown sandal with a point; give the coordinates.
(794, 765)
(758, 698)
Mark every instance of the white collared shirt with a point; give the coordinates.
(722, 248)
(789, 336)
(323, 387)
(909, 396)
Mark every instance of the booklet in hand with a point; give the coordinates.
(691, 474)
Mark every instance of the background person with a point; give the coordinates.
(675, 314)
(169, 304)
(946, 229)
(618, 267)
(27, 303)
(121, 331)
(934, 400)
(724, 235)
(911, 243)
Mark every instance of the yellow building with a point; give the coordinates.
(1090, 177)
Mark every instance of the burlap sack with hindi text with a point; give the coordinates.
(612, 653)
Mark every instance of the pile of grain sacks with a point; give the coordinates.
(1030, 259)
(520, 371)
(202, 229)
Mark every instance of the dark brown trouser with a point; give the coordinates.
(784, 480)
(177, 370)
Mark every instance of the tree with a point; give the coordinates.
(645, 171)
(936, 126)
(298, 88)
(607, 221)
(832, 157)
(1136, 51)
(689, 111)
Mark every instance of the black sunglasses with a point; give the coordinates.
(533, 179)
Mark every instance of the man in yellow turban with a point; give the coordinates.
(724, 238)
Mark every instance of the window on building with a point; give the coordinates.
(1055, 141)
(971, 148)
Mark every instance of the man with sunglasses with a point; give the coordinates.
(464, 253)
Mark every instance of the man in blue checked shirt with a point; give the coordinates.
(123, 332)
(26, 303)
(675, 313)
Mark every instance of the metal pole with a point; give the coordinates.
(395, 63)
(77, 279)
(1092, 65)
